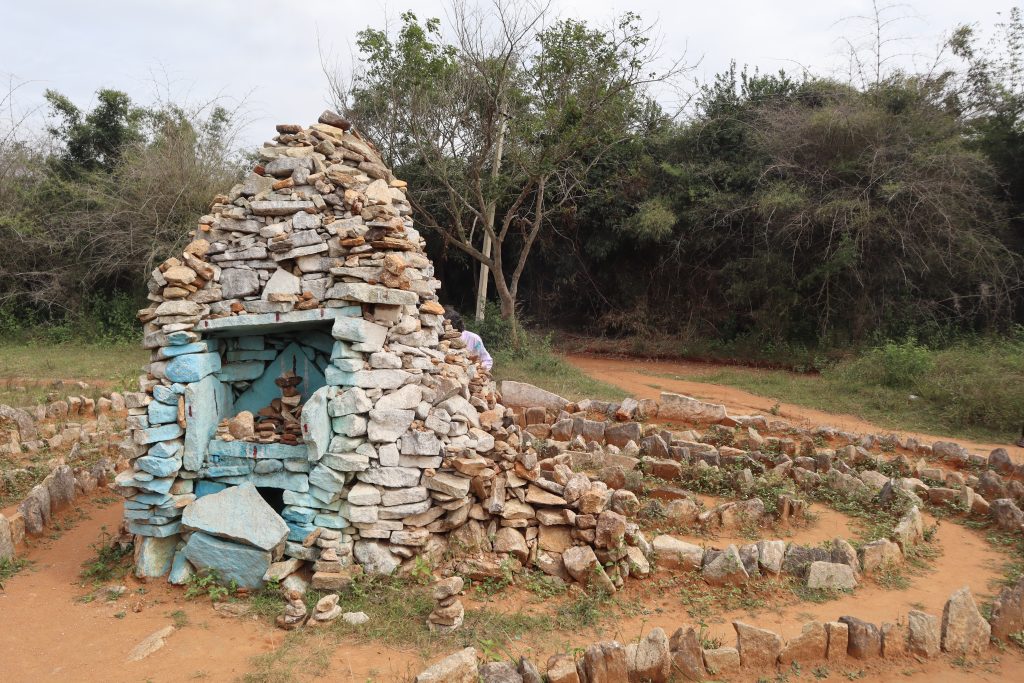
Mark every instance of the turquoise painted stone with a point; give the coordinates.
(154, 555)
(331, 521)
(205, 487)
(155, 530)
(165, 449)
(349, 364)
(152, 498)
(192, 367)
(159, 467)
(290, 481)
(251, 343)
(155, 485)
(298, 532)
(239, 514)
(162, 413)
(217, 471)
(263, 389)
(367, 379)
(325, 497)
(319, 341)
(242, 564)
(309, 501)
(299, 515)
(316, 424)
(181, 570)
(181, 350)
(244, 449)
(136, 514)
(166, 394)
(162, 433)
(247, 355)
(241, 372)
(206, 402)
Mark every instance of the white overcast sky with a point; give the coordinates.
(265, 53)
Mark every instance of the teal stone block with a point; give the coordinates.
(337, 377)
(309, 501)
(165, 432)
(132, 504)
(166, 394)
(162, 413)
(155, 530)
(316, 424)
(247, 450)
(263, 389)
(154, 485)
(241, 372)
(324, 496)
(206, 402)
(205, 487)
(152, 498)
(299, 515)
(215, 471)
(291, 481)
(153, 556)
(159, 467)
(181, 350)
(243, 564)
(246, 355)
(331, 521)
(323, 343)
(181, 570)
(143, 515)
(349, 364)
(297, 533)
(165, 449)
(168, 512)
(251, 343)
(192, 367)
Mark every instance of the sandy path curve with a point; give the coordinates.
(637, 376)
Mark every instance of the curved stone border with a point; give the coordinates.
(658, 658)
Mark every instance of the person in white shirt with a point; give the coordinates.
(474, 344)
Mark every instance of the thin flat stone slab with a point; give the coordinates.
(372, 294)
(244, 565)
(259, 451)
(238, 513)
(256, 323)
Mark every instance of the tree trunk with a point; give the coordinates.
(489, 211)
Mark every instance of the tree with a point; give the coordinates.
(499, 129)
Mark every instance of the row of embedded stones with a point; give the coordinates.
(58, 423)
(797, 458)
(658, 658)
(55, 493)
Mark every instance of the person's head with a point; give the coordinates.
(454, 318)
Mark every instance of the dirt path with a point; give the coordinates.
(639, 378)
(48, 634)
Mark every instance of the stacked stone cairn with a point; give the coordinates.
(326, 611)
(312, 265)
(449, 613)
(295, 612)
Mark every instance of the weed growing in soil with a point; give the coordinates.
(9, 567)
(112, 561)
(208, 582)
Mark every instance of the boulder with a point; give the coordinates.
(375, 557)
(864, 640)
(523, 395)
(831, 576)
(964, 630)
(562, 669)
(722, 661)
(460, 667)
(923, 634)
(809, 646)
(759, 648)
(838, 640)
(6, 540)
(686, 409)
(894, 640)
(1006, 514)
(687, 658)
(153, 556)
(648, 661)
(605, 663)
(725, 569)
(237, 513)
(583, 565)
(770, 555)
(673, 553)
(879, 554)
(1007, 610)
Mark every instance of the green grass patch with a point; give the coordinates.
(112, 561)
(973, 390)
(9, 566)
(536, 363)
(26, 369)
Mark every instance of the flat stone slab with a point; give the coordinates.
(242, 564)
(238, 513)
(255, 323)
(246, 449)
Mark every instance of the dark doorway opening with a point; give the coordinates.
(274, 497)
